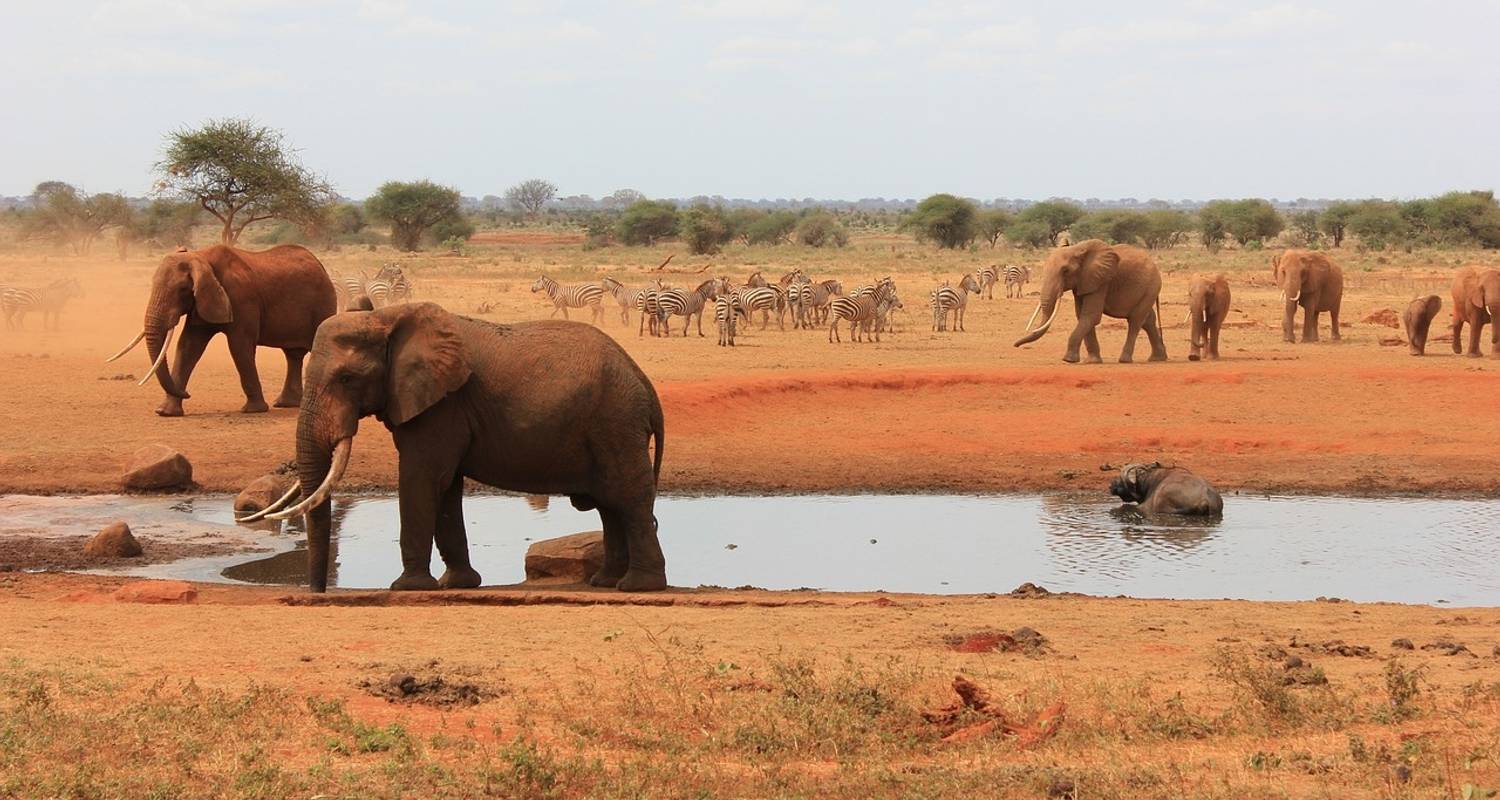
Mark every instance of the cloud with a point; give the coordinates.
(397, 17)
(1280, 18)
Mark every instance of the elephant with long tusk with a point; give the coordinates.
(535, 407)
(1106, 280)
(272, 298)
(1156, 489)
(1208, 305)
(1476, 303)
(1313, 281)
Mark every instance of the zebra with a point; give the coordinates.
(388, 286)
(17, 302)
(682, 303)
(955, 299)
(725, 313)
(750, 299)
(565, 297)
(861, 308)
(350, 290)
(622, 295)
(645, 302)
(758, 281)
(1017, 277)
(813, 302)
(987, 277)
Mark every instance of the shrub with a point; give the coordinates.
(704, 229)
(1056, 215)
(992, 224)
(1115, 227)
(821, 229)
(952, 222)
(1029, 233)
(1166, 228)
(773, 228)
(411, 208)
(646, 222)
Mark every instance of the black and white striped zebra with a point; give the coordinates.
(576, 296)
(687, 304)
(389, 286)
(622, 295)
(812, 302)
(645, 302)
(49, 300)
(750, 299)
(350, 290)
(1016, 277)
(952, 299)
(726, 317)
(861, 309)
(986, 278)
(779, 290)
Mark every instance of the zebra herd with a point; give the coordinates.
(17, 302)
(363, 292)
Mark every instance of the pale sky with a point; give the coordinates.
(775, 98)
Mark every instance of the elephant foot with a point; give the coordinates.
(461, 578)
(1163, 357)
(605, 578)
(415, 582)
(254, 407)
(171, 407)
(640, 581)
(1193, 356)
(1071, 358)
(1096, 360)
(288, 402)
(1473, 354)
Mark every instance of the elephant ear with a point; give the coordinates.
(210, 301)
(425, 360)
(1098, 268)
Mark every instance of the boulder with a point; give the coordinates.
(566, 559)
(156, 592)
(115, 541)
(262, 492)
(158, 466)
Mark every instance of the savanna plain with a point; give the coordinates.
(517, 692)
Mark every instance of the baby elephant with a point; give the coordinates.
(1166, 490)
(1208, 305)
(1417, 318)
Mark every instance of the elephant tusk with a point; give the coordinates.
(1187, 316)
(1205, 315)
(1033, 317)
(296, 487)
(335, 472)
(1055, 308)
(160, 357)
(128, 347)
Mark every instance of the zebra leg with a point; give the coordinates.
(243, 353)
(291, 389)
(453, 541)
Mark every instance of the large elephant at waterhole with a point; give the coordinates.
(536, 407)
(1106, 280)
(272, 298)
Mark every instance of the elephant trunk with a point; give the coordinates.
(1288, 315)
(321, 462)
(1049, 306)
(160, 320)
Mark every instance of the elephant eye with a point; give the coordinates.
(345, 378)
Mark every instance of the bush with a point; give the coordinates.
(773, 228)
(411, 208)
(1334, 221)
(704, 229)
(1115, 227)
(1166, 228)
(1056, 215)
(1029, 233)
(952, 222)
(821, 229)
(1378, 222)
(646, 222)
(1241, 220)
(993, 223)
(1304, 225)
(455, 227)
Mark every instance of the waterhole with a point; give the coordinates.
(1264, 548)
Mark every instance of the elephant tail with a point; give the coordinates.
(658, 429)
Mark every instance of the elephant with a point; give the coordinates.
(270, 298)
(1417, 318)
(1166, 490)
(1208, 305)
(547, 407)
(1311, 280)
(1476, 301)
(1114, 280)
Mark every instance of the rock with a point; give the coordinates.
(156, 592)
(115, 541)
(566, 559)
(1402, 644)
(1383, 316)
(262, 492)
(158, 466)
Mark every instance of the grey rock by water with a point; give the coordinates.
(114, 541)
(566, 559)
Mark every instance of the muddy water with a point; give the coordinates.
(1265, 548)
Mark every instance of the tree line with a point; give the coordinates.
(233, 174)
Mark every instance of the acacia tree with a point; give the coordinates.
(411, 208)
(950, 221)
(531, 195)
(1056, 215)
(1334, 221)
(69, 217)
(992, 224)
(241, 173)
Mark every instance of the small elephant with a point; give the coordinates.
(535, 407)
(1417, 318)
(1106, 280)
(1312, 280)
(1476, 301)
(271, 298)
(1166, 490)
(1208, 305)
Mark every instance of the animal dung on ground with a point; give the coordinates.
(973, 699)
(435, 690)
(1021, 640)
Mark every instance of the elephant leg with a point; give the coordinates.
(1333, 323)
(1132, 330)
(242, 350)
(1153, 335)
(1310, 320)
(421, 497)
(190, 346)
(1458, 335)
(1213, 340)
(453, 541)
(616, 549)
(1476, 330)
(1088, 320)
(647, 571)
(291, 390)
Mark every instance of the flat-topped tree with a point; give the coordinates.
(241, 173)
(413, 207)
